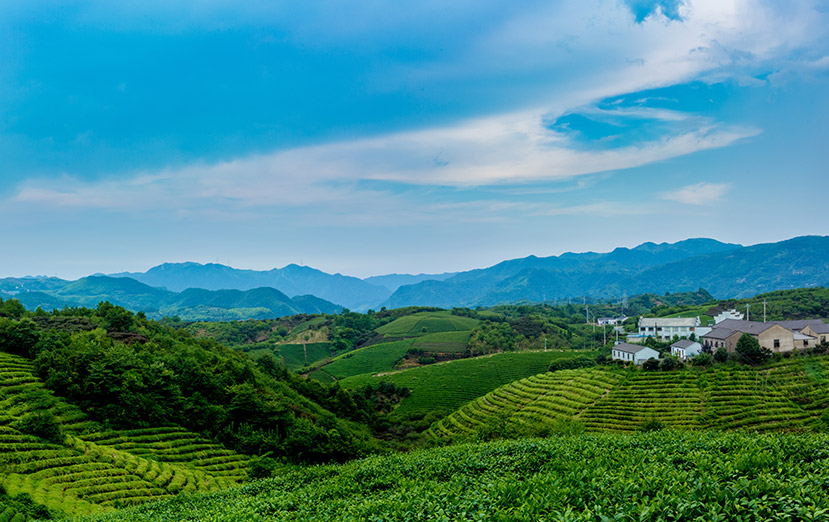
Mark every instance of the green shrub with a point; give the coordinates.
(668, 364)
(571, 364)
(651, 424)
(703, 359)
(650, 365)
(41, 424)
(263, 467)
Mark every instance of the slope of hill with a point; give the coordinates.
(789, 395)
(590, 477)
(192, 304)
(292, 280)
(438, 389)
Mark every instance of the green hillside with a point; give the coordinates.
(53, 452)
(647, 477)
(371, 359)
(424, 323)
(789, 395)
(438, 389)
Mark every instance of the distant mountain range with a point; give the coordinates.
(726, 270)
(193, 304)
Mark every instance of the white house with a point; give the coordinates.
(612, 321)
(666, 328)
(636, 354)
(728, 314)
(685, 348)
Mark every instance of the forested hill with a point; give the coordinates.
(129, 372)
(193, 304)
(725, 270)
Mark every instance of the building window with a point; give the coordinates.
(777, 343)
(805, 342)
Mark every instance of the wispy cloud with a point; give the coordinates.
(699, 194)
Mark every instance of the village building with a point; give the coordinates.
(685, 349)
(777, 336)
(819, 331)
(728, 314)
(637, 354)
(665, 328)
(612, 321)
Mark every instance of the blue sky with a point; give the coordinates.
(371, 137)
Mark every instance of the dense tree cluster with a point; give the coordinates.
(163, 376)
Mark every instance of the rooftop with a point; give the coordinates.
(630, 348)
(668, 321)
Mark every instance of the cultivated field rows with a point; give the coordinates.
(788, 395)
(90, 468)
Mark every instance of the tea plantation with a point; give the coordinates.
(73, 465)
(657, 476)
(792, 394)
(442, 388)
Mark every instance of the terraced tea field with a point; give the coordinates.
(441, 388)
(790, 395)
(592, 477)
(90, 469)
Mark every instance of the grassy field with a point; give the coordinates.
(441, 388)
(371, 359)
(681, 476)
(424, 323)
(790, 395)
(86, 468)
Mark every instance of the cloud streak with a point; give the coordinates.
(699, 194)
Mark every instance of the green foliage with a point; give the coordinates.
(652, 424)
(669, 363)
(161, 376)
(41, 424)
(650, 365)
(588, 477)
(721, 355)
(702, 359)
(571, 363)
(18, 337)
(750, 351)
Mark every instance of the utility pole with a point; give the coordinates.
(764, 310)
(748, 310)
(545, 343)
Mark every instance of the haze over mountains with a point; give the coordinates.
(726, 270)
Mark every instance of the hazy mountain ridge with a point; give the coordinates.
(726, 270)
(191, 304)
(207, 291)
(292, 280)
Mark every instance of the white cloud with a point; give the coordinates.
(593, 51)
(699, 194)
